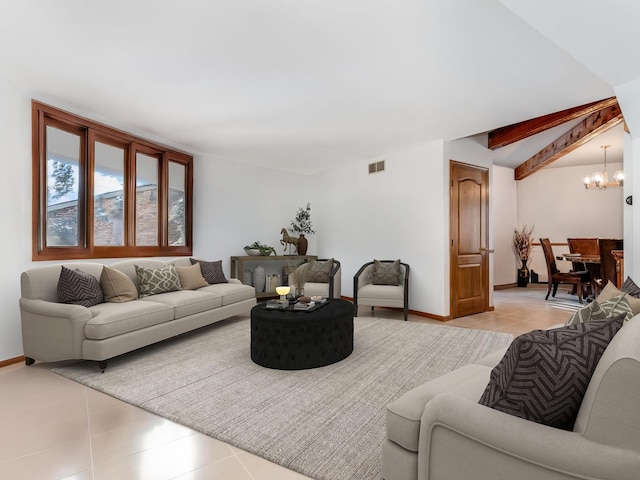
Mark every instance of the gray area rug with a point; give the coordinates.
(327, 423)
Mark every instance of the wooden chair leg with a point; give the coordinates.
(549, 285)
(555, 289)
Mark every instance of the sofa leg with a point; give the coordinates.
(102, 365)
(29, 361)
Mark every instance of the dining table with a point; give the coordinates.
(579, 258)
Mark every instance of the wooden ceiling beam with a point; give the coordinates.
(501, 137)
(593, 125)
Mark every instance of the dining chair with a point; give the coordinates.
(586, 246)
(556, 277)
(607, 262)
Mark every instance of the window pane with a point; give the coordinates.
(146, 200)
(63, 160)
(108, 195)
(177, 218)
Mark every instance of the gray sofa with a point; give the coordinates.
(53, 331)
(439, 431)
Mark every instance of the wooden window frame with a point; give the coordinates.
(45, 115)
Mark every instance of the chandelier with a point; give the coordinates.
(601, 179)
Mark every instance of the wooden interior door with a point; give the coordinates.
(469, 231)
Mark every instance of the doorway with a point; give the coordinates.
(469, 232)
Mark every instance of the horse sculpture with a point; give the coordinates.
(288, 239)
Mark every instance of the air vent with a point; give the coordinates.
(376, 167)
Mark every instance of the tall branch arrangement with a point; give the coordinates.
(302, 222)
(523, 242)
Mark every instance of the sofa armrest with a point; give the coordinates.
(52, 331)
(498, 445)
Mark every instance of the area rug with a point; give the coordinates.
(327, 423)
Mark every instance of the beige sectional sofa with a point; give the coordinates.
(439, 431)
(53, 331)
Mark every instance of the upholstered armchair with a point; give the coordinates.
(382, 283)
(322, 277)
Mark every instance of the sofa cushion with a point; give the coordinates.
(116, 286)
(545, 373)
(610, 291)
(231, 292)
(382, 293)
(191, 277)
(152, 281)
(79, 288)
(319, 272)
(211, 271)
(112, 319)
(404, 414)
(187, 302)
(386, 273)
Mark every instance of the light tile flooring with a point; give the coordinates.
(54, 428)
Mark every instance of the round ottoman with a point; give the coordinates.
(295, 340)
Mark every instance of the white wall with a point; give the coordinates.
(15, 211)
(398, 213)
(505, 220)
(556, 203)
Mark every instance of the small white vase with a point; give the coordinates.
(259, 279)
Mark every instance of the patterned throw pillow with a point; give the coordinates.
(630, 287)
(78, 288)
(191, 277)
(211, 271)
(319, 272)
(116, 286)
(386, 273)
(545, 373)
(593, 311)
(152, 281)
(610, 291)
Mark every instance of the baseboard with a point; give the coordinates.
(505, 286)
(11, 361)
(412, 312)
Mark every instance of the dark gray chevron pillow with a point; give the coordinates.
(152, 281)
(79, 288)
(211, 271)
(386, 273)
(630, 287)
(545, 373)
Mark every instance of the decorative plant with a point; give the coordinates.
(302, 222)
(300, 275)
(265, 250)
(523, 243)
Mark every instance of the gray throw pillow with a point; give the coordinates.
(630, 287)
(386, 273)
(211, 271)
(191, 277)
(545, 373)
(78, 288)
(593, 311)
(152, 281)
(319, 272)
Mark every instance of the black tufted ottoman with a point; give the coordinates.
(289, 340)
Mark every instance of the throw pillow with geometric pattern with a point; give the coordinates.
(211, 271)
(617, 305)
(152, 281)
(593, 311)
(386, 273)
(545, 373)
(630, 287)
(610, 291)
(79, 288)
(319, 272)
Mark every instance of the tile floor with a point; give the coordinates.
(54, 428)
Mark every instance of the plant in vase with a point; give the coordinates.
(265, 250)
(300, 276)
(523, 246)
(301, 225)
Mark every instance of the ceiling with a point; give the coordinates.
(304, 86)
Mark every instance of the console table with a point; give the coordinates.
(237, 265)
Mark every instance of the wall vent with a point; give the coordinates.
(376, 167)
